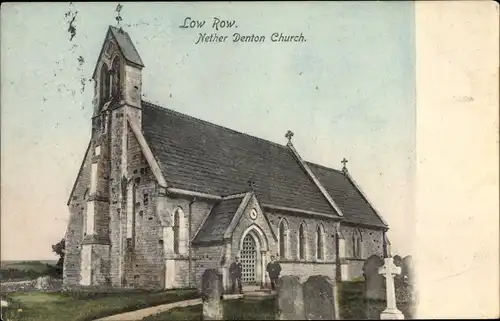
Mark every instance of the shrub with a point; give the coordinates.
(16, 274)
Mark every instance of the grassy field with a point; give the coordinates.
(25, 270)
(26, 265)
(85, 306)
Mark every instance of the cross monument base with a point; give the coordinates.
(391, 314)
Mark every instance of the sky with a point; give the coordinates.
(347, 91)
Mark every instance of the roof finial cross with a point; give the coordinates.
(289, 135)
(344, 161)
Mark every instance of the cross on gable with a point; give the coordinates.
(388, 270)
(251, 183)
(344, 161)
(289, 135)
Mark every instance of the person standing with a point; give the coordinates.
(274, 270)
(235, 270)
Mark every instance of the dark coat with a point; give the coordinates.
(274, 269)
(235, 270)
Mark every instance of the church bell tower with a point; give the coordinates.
(117, 101)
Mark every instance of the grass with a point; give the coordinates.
(240, 309)
(85, 306)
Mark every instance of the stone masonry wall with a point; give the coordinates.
(100, 264)
(310, 265)
(117, 204)
(311, 224)
(304, 270)
(148, 268)
(74, 231)
(207, 257)
(198, 210)
(371, 243)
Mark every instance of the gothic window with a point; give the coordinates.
(116, 78)
(104, 85)
(319, 242)
(176, 232)
(356, 243)
(283, 237)
(302, 242)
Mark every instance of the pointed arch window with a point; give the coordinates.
(302, 242)
(104, 85)
(116, 78)
(357, 244)
(283, 239)
(320, 250)
(176, 231)
(179, 232)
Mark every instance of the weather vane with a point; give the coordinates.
(118, 17)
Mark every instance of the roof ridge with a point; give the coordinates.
(325, 167)
(164, 109)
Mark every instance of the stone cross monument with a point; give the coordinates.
(389, 270)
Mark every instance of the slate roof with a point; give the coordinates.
(203, 157)
(353, 205)
(126, 46)
(199, 156)
(218, 220)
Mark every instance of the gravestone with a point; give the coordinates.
(389, 270)
(5, 304)
(398, 279)
(290, 300)
(321, 301)
(398, 261)
(407, 269)
(212, 291)
(374, 284)
(42, 283)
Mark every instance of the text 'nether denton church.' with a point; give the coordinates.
(237, 37)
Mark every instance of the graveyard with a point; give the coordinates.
(318, 297)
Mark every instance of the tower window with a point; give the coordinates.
(116, 78)
(104, 85)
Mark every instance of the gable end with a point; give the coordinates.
(79, 172)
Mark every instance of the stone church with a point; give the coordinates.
(161, 196)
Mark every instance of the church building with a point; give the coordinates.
(161, 196)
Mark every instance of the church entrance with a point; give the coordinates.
(252, 254)
(248, 259)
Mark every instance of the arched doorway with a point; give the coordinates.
(253, 256)
(249, 259)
